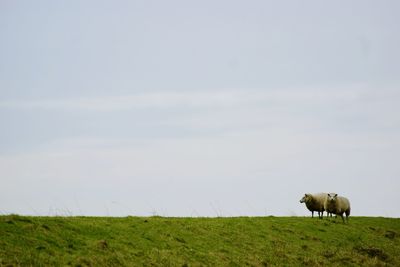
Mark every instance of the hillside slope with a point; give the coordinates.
(159, 241)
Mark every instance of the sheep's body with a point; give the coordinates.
(315, 202)
(338, 205)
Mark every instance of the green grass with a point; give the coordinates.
(159, 241)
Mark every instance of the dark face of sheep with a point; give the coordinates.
(305, 198)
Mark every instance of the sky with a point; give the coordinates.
(198, 108)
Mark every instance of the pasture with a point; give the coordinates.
(161, 241)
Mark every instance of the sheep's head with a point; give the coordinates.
(332, 197)
(305, 198)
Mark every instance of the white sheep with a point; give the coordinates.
(315, 202)
(338, 205)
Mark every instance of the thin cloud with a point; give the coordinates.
(194, 99)
(137, 101)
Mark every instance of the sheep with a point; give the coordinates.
(338, 205)
(315, 202)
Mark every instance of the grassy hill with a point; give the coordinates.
(159, 241)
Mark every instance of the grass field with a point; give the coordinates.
(160, 241)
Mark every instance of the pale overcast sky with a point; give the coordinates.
(198, 108)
